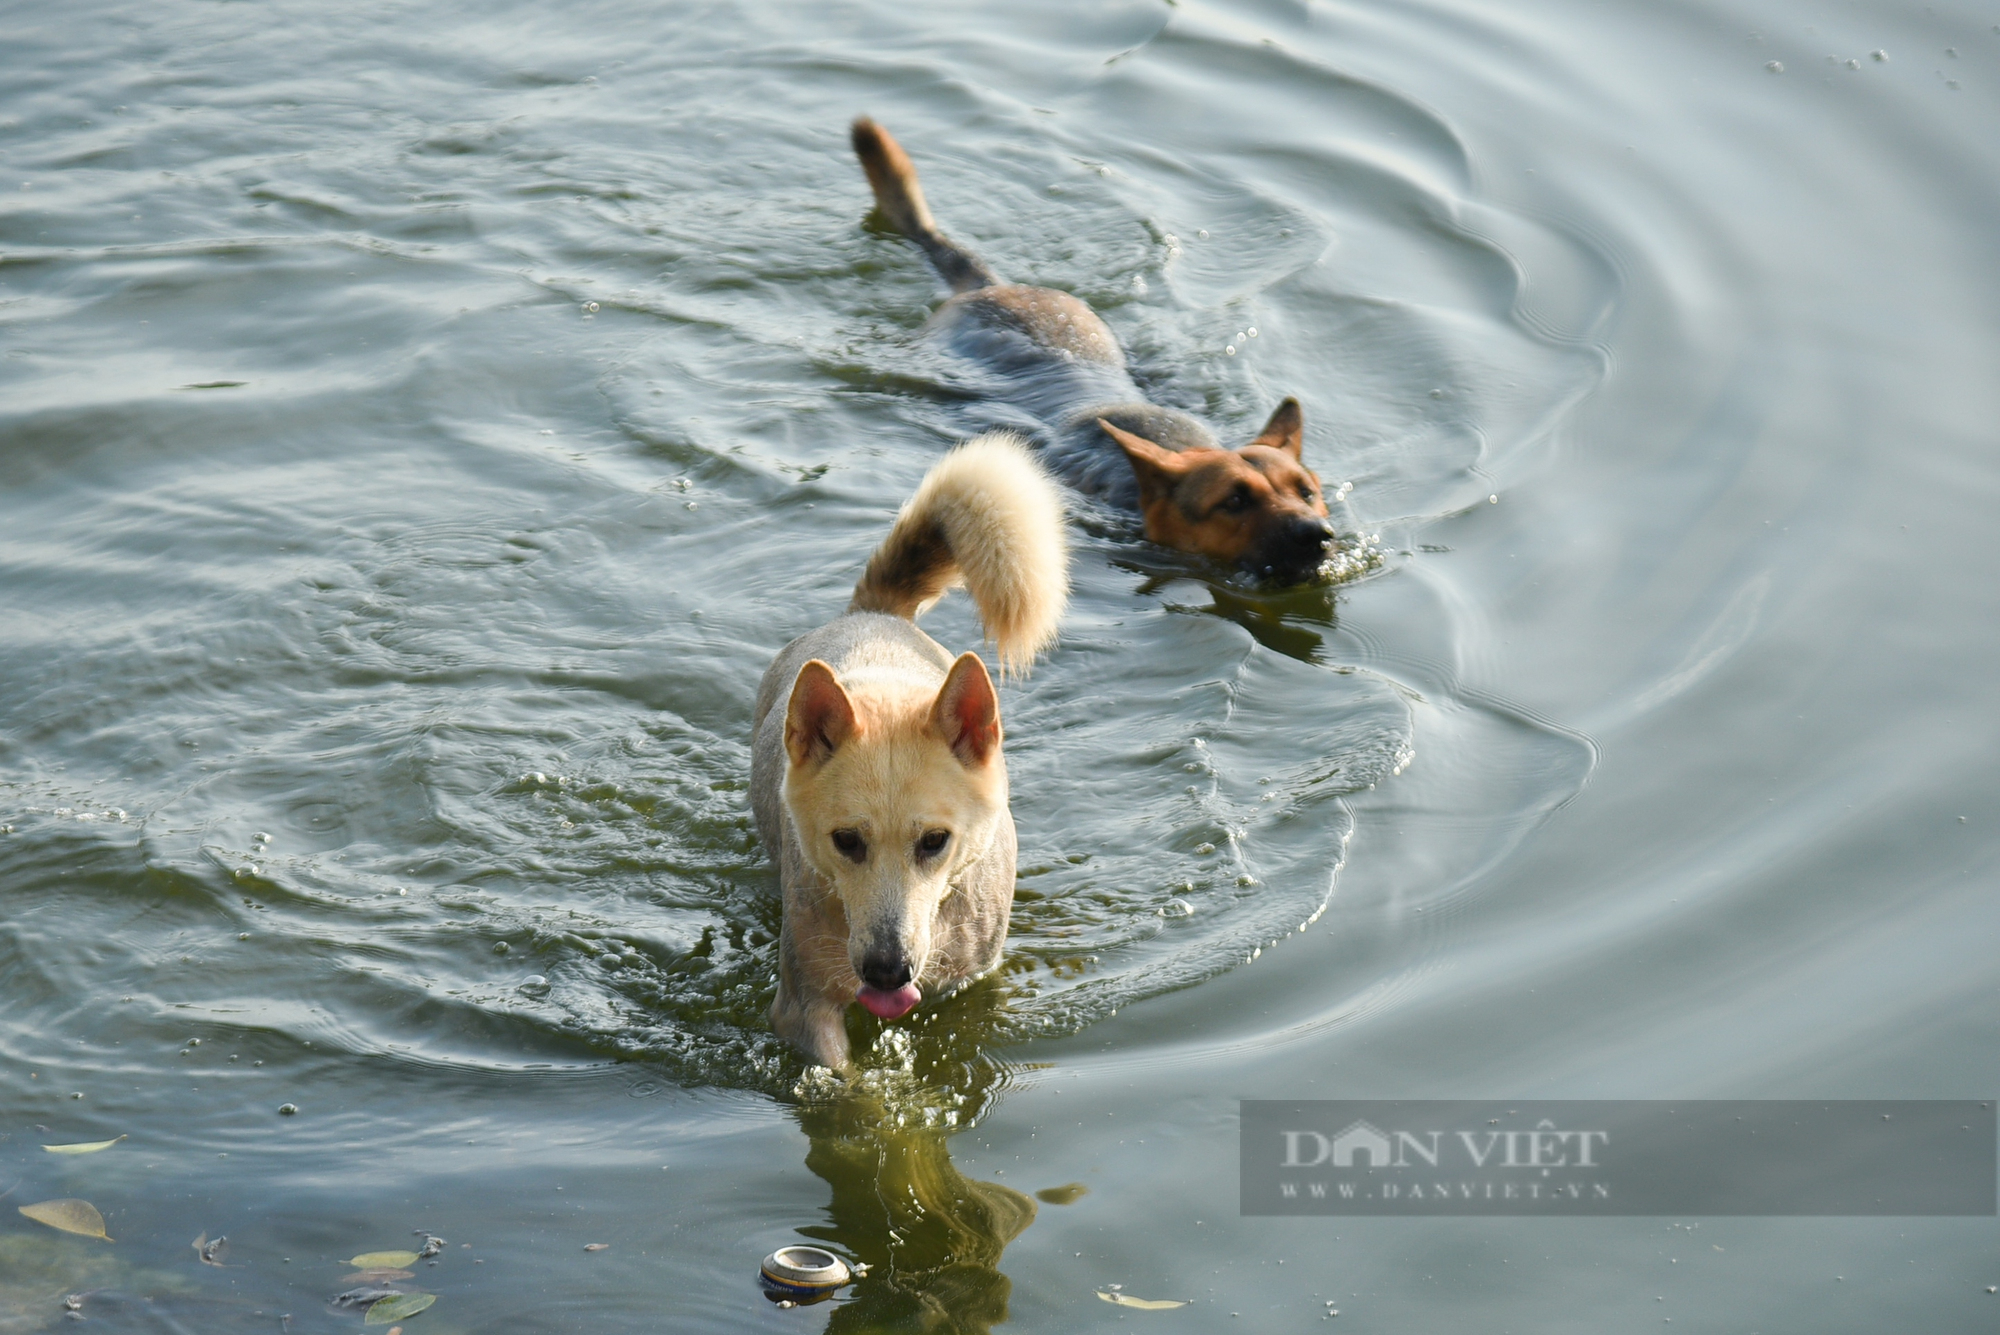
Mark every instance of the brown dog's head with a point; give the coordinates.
(895, 786)
(1258, 507)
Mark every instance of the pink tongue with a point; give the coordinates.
(886, 1004)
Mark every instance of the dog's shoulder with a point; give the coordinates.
(855, 643)
(1082, 455)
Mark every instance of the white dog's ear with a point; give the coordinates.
(966, 713)
(820, 717)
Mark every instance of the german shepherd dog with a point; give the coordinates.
(1258, 508)
(876, 774)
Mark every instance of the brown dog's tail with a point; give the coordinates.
(986, 516)
(894, 179)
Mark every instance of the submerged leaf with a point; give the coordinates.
(70, 1216)
(90, 1147)
(376, 1276)
(1064, 1195)
(1143, 1304)
(383, 1260)
(398, 1307)
(365, 1296)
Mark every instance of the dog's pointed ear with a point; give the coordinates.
(966, 713)
(820, 717)
(1286, 430)
(1156, 469)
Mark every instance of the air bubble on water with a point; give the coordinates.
(1201, 234)
(1229, 350)
(501, 947)
(1176, 908)
(1138, 282)
(1247, 880)
(1952, 52)
(534, 985)
(1774, 66)
(1251, 332)
(1204, 849)
(1854, 64)
(536, 777)
(590, 307)
(1882, 56)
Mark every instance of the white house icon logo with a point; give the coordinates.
(1361, 1138)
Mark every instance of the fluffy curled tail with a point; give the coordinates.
(893, 177)
(986, 516)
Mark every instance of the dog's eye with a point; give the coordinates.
(851, 845)
(1306, 490)
(1239, 501)
(933, 843)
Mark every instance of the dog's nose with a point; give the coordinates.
(885, 969)
(1312, 537)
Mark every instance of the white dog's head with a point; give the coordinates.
(893, 789)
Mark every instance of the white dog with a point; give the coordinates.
(876, 775)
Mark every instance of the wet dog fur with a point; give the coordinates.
(1258, 508)
(877, 777)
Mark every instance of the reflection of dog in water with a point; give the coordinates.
(876, 773)
(932, 1236)
(1258, 507)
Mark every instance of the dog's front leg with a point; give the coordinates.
(814, 985)
(813, 1025)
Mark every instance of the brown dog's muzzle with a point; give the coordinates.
(1293, 550)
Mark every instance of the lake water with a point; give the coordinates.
(419, 425)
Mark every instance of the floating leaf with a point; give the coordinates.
(1143, 1304)
(383, 1260)
(91, 1147)
(398, 1307)
(70, 1216)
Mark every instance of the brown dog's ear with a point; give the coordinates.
(966, 713)
(1286, 430)
(1157, 469)
(820, 718)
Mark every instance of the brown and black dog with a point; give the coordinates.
(1258, 508)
